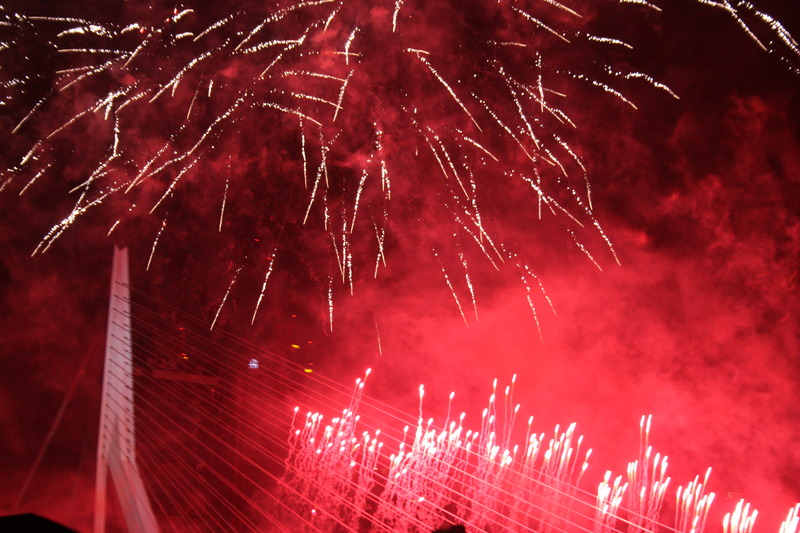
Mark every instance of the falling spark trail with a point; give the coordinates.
(34, 179)
(360, 189)
(330, 303)
(398, 4)
(469, 285)
(224, 199)
(203, 87)
(155, 242)
(264, 285)
(378, 335)
(168, 193)
(644, 3)
(338, 105)
(379, 235)
(541, 24)
(227, 293)
(424, 60)
(452, 289)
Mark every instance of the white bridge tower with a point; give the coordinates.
(116, 442)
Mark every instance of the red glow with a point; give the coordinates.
(698, 324)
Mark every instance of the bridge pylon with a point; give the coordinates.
(116, 441)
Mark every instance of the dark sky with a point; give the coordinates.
(698, 195)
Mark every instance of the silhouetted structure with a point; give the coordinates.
(451, 529)
(29, 522)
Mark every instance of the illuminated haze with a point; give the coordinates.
(697, 325)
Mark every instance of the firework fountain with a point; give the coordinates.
(340, 477)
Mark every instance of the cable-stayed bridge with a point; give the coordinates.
(202, 431)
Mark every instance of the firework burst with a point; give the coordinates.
(350, 125)
(358, 124)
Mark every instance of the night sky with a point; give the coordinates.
(697, 324)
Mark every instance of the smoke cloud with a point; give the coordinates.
(697, 324)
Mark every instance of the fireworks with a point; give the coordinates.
(767, 32)
(364, 104)
(609, 498)
(693, 503)
(436, 474)
(792, 521)
(647, 483)
(337, 474)
(363, 465)
(741, 520)
(356, 123)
